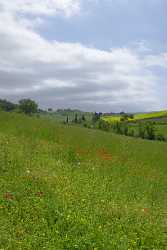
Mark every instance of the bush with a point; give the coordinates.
(126, 117)
(150, 131)
(103, 125)
(28, 106)
(96, 117)
(141, 131)
(7, 106)
(160, 137)
(131, 133)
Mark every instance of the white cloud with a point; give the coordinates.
(70, 74)
(154, 60)
(41, 7)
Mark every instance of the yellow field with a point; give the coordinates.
(140, 116)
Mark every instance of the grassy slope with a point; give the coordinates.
(137, 117)
(62, 116)
(74, 188)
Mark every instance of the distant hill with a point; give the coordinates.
(61, 114)
(137, 116)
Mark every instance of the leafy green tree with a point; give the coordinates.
(125, 129)
(117, 127)
(150, 131)
(96, 117)
(141, 131)
(67, 119)
(83, 118)
(76, 118)
(7, 106)
(103, 125)
(50, 110)
(28, 106)
(126, 117)
(160, 137)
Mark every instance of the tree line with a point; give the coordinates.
(26, 106)
(145, 130)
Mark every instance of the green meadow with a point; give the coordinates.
(71, 188)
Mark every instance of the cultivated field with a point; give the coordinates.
(68, 188)
(137, 117)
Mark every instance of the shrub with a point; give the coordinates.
(7, 106)
(141, 131)
(131, 133)
(150, 131)
(96, 117)
(103, 125)
(160, 137)
(28, 106)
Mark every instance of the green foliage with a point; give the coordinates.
(147, 131)
(136, 117)
(150, 131)
(142, 130)
(103, 125)
(67, 119)
(28, 106)
(120, 128)
(96, 117)
(83, 118)
(76, 118)
(61, 115)
(125, 117)
(160, 137)
(7, 106)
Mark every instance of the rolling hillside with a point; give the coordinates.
(68, 188)
(139, 116)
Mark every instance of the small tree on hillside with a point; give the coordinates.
(150, 130)
(96, 117)
(7, 106)
(83, 118)
(50, 110)
(141, 131)
(76, 118)
(67, 119)
(28, 106)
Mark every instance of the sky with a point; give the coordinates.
(93, 55)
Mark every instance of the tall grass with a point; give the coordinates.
(72, 188)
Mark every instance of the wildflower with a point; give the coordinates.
(145, 210)
(104, 155)
(40, 194)
(9, 197)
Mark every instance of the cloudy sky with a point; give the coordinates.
(96, 55)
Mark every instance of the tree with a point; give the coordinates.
(131, 116)
(96, 117)
(28, 106)
(7, 106)
(103, 125)
(67, 120)
(50, 110)
(141, 131)
(150, 129)
(76, 118)
(83, 118)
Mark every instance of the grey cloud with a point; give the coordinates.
(72, 75)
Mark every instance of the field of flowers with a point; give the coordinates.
(137, 117)
(72, 188)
